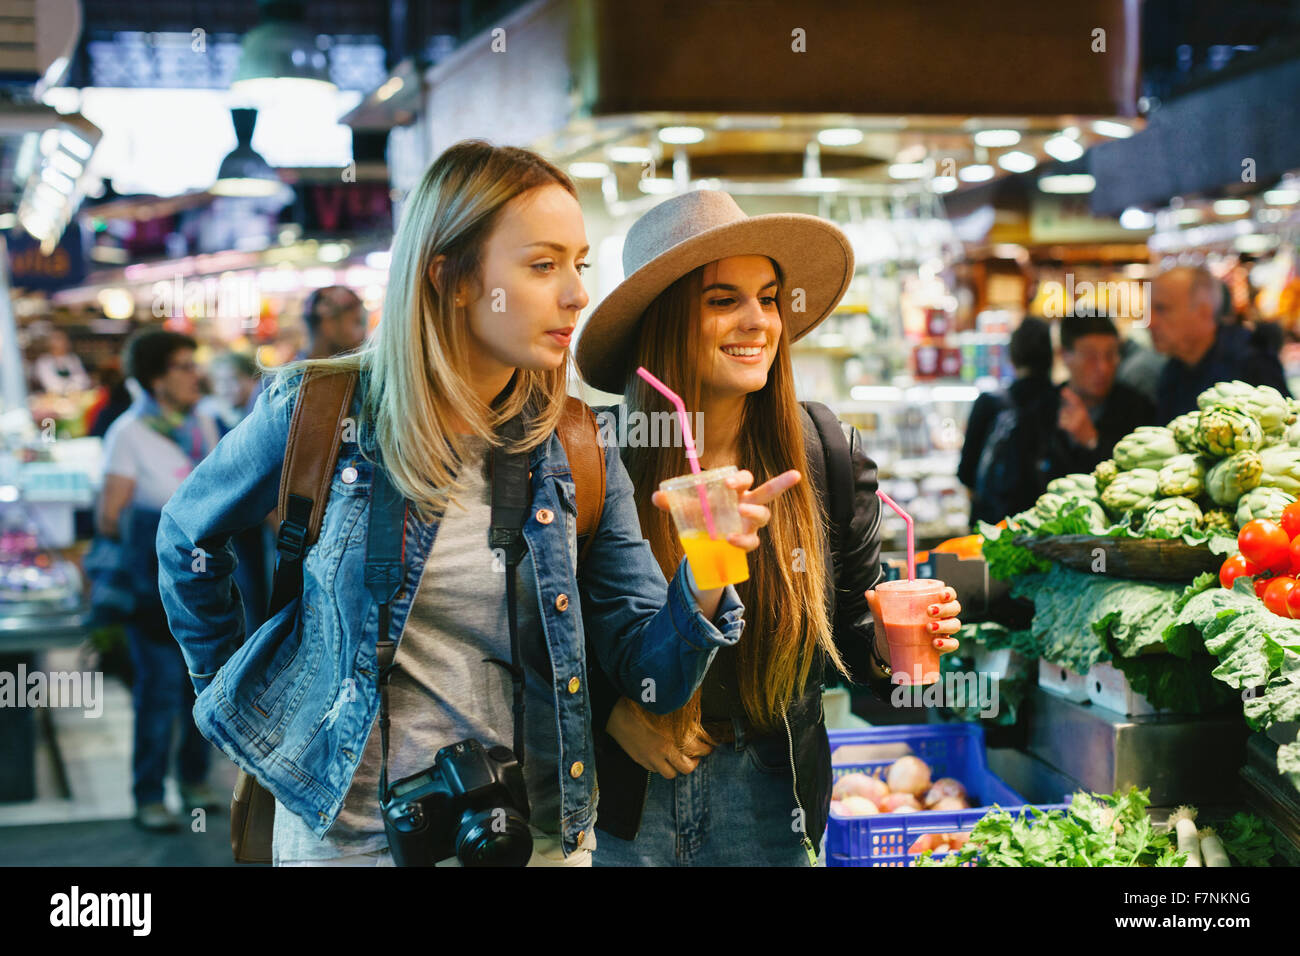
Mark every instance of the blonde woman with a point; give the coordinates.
(484, 291)
(741, 775)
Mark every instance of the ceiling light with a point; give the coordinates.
(64, 163)
(75, 145)
(1067, 183)
(1185, 217)
(392, 86)
(1231, 207)
(8, 220)
(1255, 243)
(1112, 129)
(840, 136)
(681, 135)
(943, 184)
(630, 154)
(280, 54)
(818, 184)
(656, 187)
(588, 170)
(243, 172)
(906, 170)
(1063, 148)
(1282, 196)
(1135, 218)
(997, 137)
(977, 173)
(1017, 162)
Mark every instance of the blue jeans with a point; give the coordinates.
(162, 694)
(737, 808)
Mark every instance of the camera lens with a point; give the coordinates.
(498, 836)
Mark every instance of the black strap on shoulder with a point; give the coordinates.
(511, 499)
(838, 476)
(290, 548)
(385, 549)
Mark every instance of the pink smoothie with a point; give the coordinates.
(904, 613)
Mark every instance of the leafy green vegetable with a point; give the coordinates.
(1096, 830)
(1172, 683)
(1246, 839)
(1005, 558)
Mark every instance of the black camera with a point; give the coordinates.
(471, 804)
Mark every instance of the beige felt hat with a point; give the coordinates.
(692, 230)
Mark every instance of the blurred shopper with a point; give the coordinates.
(1185, 325)
(336, 322)
(1095, 411)
(740, 776)
(1003, 459)
(148, 452)
(234, 377)
(1140, 365)
(59, 371)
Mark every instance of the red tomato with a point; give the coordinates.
(1261, 585)
(1291, 520)
(1235, 567)
(1293, 602)
(1275, 596)
(1295, 554)
(1266, 544)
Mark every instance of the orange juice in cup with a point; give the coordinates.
(902, 608)
(714, 562)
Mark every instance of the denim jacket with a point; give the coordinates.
(294, 704)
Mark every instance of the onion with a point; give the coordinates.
(908, 775)
(862, 785)
(855, 806)
(945, 787)
(950, 803)
(899, 803)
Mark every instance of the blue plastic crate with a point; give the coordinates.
(951, 750)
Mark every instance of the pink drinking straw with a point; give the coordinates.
(691, 454)
(911, 533)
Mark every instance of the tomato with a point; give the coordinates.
(1275, 596)
(1261, 585)
(1266, 544)
(1236, 567)
(1293, 603)
(1291, 520)
(1295, 554)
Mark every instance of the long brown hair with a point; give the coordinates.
(418, 357)
(786, 618)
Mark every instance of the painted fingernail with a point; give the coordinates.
(933, 609)
(938, 643)
(934, 625)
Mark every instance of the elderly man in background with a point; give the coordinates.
(1185, 303)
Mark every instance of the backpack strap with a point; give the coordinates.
(580, 437)
(315, 432)
(835, 480)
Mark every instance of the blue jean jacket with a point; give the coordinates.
(294, 704)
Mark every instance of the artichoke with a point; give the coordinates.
(1281, 468)
(1218, 521)
(1049, 505)
(1182, 475)
(1226, 429)
(1134, 490)
(1147, 447)
(1292, 434)
(1233, 477)
(1184, 429)
(1262, 502)
(1080, 486)
(1104, 474)
(1098, 521)
(1264, 403)
(1168, 517)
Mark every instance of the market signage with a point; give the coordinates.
(29, 268)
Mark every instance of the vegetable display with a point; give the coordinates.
(907, 788)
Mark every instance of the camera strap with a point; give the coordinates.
(385, 569)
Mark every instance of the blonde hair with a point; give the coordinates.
(785, 609)
(417, 360)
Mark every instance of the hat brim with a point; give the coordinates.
(814, 256)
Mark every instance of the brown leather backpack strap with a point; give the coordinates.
(580, 437)
(315, 431)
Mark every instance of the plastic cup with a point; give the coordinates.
(904, 614)
(714, 562)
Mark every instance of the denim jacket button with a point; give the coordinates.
(574, 684)
(576, 770)
(562, 603)
(349, 475)
(581, 834)
(545, 516)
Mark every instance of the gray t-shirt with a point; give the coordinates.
(444, 691)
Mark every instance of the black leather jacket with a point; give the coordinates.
(623, 783)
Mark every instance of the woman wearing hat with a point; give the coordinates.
(740, 775)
